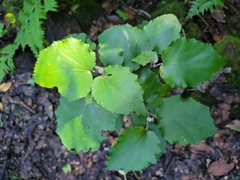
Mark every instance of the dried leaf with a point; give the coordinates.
(218, 139)
(221, 113)
(219, 15)
(127, 121)
(6, 22)
(48, 108)
(5, 86)
(112, 140)
(202, 147)
(1, 106)
(234, 125)
(216, 34)
(130, 12)
(220, 168)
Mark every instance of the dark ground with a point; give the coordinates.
(30, 148)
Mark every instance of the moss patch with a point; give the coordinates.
(235, 111)
(203, 98)
(86, 11)
(192, 30)
(229, 48)
(174, 7)
(233, 27)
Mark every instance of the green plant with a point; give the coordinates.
(95, 99)
(30, 32)
(201, 6)
(67, 168)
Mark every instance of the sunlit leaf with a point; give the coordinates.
(11, 18)
(162, 31)
(94, 119)
(146, 57)
(66, 64)
(117, 90)
(73, 136)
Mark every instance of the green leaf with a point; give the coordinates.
(154, 128)
(138, 120)
(65, 106)
(132, 40)
(113, 56)
(66, 64)
(185, 121)
(135, 149)
(11, 18)
(92, 45)
(165, 89)
(141, 26)
(1, 29)
(83, 37)
(117, 90)
(73, 136)
(150, 82)
(162, 31)
(31, 82)
(187, 63)
(80, 36)
(234, 125)
(122, 14)
(12, 177)
(67, 168)
(146, 57)
(94, 118)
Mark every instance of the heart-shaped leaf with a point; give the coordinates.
(188, 62)
(118, 91)
(66, 64)
(122, 43)
(137, 147)
(184, 121)
(162, 31)
(92, 117)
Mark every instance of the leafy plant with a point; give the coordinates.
(30, 32)
(201, 6)
(95, 99)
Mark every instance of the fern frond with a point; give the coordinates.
(201, 6)
(5, 64)
(30, 33)
(50, 5)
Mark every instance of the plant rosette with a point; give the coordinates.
(135, 62)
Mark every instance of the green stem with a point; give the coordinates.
(124, 176)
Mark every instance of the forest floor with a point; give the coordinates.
(31, 149)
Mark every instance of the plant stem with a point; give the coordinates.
(124, 176)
